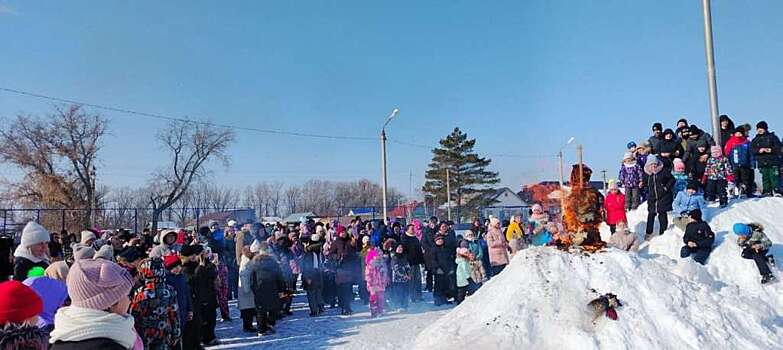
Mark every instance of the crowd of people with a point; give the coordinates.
(166, 289)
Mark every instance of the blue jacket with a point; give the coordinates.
(685, 202)
(180, 284)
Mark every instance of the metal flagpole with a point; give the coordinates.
(713, 86)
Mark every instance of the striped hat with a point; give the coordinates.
(97, 284)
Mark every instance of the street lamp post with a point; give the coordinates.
(383, 158)
(711, 82)
(562, 192)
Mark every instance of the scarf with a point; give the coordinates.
(73, 323)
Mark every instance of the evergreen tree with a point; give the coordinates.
(468, 177)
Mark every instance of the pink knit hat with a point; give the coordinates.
(97, 284)
(679, 165)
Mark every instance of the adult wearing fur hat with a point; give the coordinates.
(98, 316)
(18, 329)
(660, 185)
(33, 250)
(498, 247)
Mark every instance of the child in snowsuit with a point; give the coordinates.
(400, 277)
(463, 273)
(614, 204)
(755, 246)
(715, 177)
(680, 177)
(155, 309)
(376, 275)
(631, 179)
(741, 160)
(698, 239)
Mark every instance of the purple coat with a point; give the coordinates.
(52, 292)
(630, 177)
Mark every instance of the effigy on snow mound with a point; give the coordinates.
(539, 301)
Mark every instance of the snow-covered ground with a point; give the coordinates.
(539, 301)
(395, 330)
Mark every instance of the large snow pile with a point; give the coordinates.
(539, 301)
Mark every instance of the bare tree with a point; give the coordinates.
(191, 146)
(292, 198)
(58, 155)
(275, 198)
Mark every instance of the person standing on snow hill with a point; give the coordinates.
(726, 129)
(766, 149)
(659, 186)
(98, 316)
(515, 235)
(377, 276)
(755, 245)
(498, 248)
(33, 250)
(716, 175)
(614, 204)
(18, 321)
(631, 179)
(698, 239)
(154, 308)
(656, 138)
(741, 160)
(669, 149)
(679, 175)
(685, 202)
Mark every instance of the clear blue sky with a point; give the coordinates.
(520, 76)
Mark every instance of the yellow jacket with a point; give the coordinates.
(514, 231)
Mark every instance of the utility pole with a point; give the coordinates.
(448, 194)
(410, 196)
(383, 159)
(579, 151)
(604, 175)
(711, 81)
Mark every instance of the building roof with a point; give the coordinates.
(297, 217)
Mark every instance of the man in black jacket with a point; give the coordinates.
(415, 259)
(698, 239)
(766, 149)
(660, 185)
(656, 138)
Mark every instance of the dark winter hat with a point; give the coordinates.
(692, 185)
(762, 125)
(668, 132)
(130, 254)
(631, 145)
(657, 126)
(683, 120)
(190, 250)
(738, 129)
(695, 214)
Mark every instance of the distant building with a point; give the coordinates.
(296, 218)
(241, 216)
(506, 203)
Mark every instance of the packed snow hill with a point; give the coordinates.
(540, 300)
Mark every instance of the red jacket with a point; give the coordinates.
(615, 208)
(733, 141)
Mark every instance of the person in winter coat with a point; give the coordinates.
(741, 160)
(463, 273)
(53, 294)
(202, 283)
(268, 283)
(415, 256)
(630, 178)
(281, 250)
(498, 247)
(679, 175)
(18, 321)
(344, 254)
(246, 299)
(766, 149)
(698, 239)
(98, 315)
(444, 264)
(726, 129)
(377, 277)
(699, 142)
(216, 237)
(660, 185)
(614, 204)
(232, 265)
(312, 274)
(515, 235)
(190, 256)
(33, 250)
(176, 280)
(669, 149)
(622, 238)
(297, 251)
(755, 245)
(401, 275)
(716, 176)
(364, 294)
(685, 202)
(428, 247)
(222, 287)
(167, 240)
(155, 309)
(656, 139)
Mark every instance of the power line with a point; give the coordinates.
(184, 120)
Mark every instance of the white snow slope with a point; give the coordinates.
(539, 301)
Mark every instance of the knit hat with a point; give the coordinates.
(628, 155)
(738, 129)
(762, 125)
(657, 126)
(612, 184)
(493, 221)
(631, 145)
(365, 239)
(741, 229)
(232, 223)
(57, 270)
(14, 311)
(171, 261)
(668, 132)
(463, 251)
(106, 252)
(32, 234)
(86, 236)
(695, 214)
(470, 235)
(319, 229)
(537, 207)
(81, 251)
(679, 165)
(97, 284)
(715, 151)
(692, 185)
(131, 254)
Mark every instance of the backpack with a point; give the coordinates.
(741, 156)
